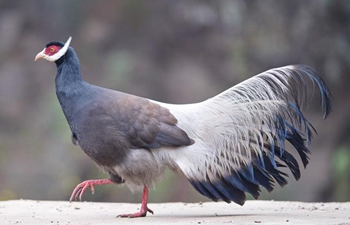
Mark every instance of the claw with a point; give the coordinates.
(150, 210)
(83, 186)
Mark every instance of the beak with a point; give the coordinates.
(40, 55)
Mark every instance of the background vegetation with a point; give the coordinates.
(173, 51)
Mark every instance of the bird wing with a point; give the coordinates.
(148, 125)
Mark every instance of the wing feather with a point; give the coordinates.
(148, 125)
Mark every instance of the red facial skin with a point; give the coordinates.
(51, 50)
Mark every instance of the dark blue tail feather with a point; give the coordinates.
(262, 171)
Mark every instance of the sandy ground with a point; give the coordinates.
(253, 212)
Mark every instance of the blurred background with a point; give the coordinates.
(173, 51)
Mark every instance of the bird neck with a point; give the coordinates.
(68, 78)
(71, 89)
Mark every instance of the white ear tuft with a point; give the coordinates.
(60, 53)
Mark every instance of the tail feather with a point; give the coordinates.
(203, 190)
(240, 135)
(243, 184)
(274, 172)
(220, 189)
(297, 141)
(262, 177)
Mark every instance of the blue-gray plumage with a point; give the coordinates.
(226, 146)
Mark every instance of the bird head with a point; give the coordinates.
(53, 51)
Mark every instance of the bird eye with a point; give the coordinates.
(51, 49)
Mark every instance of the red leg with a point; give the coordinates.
(81, 188)
(144, 209)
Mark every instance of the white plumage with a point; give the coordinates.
(246, 124)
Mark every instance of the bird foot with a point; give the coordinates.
(144, 209)
(142, 213)
(83, 186)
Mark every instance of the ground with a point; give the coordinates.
(253, 212)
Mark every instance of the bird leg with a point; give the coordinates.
(144, 209)
(81, 188)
